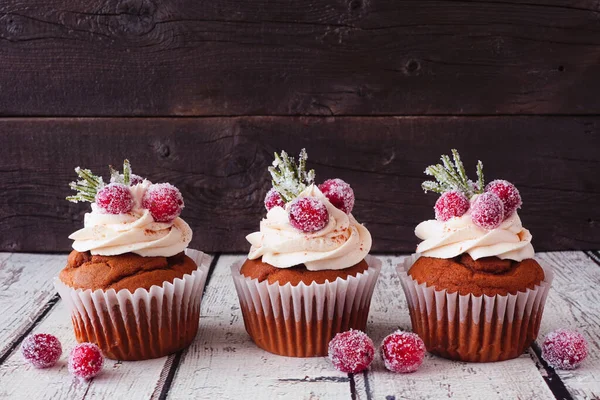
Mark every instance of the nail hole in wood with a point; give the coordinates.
(412, 65)
(561, 68)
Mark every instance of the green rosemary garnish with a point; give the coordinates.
(289, 178)
(452, 176)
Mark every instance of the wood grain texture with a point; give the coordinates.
(220, 166)
(224, 363)
(320, 57)
(438, 378)
(25, 290)
(573, 304)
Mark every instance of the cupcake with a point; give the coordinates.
(474, 290)
(308, 275)
(131, 284)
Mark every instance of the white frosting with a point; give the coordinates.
(135, 232)
(460, 235)
(341, 244)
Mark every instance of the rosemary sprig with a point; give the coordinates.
(451, 175)
(86, 187)
(289, 178)
(125, 177)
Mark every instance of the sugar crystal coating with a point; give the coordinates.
(451, 204)
(564, 349)
(339, 193)
(508, 194)
(273, 199)
(42, 350)
(402, 351)
(164, 201)
(308, 214)
(85, 361)
(487, 211)
(352, 351)
(115, 198)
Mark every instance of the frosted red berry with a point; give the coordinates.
(508, 194)
(85, 361)
(487, 211)
(339, 193)
(115, 198)
(402, 351)
(273, 199)
(308, 214)
(41, 350)
(564, 349)
(451, 204)
(164, 201)
(352, 351)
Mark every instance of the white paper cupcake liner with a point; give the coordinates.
(474, 328)
(144, 324)
(299, 321)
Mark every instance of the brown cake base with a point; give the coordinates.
(267, 306)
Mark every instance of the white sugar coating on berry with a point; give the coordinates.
(451, 204)
(339, 193)
(308, 214)
(564, 349)
(164, 201)
(487, 211)
(85, 361)
(402, 352)
(115, 198)
(352, 351)
(41, 350)
(273, 199)
(508, 194)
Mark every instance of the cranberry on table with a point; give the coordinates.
(85, 361)
(308, 214)
(487, 211)
(402, 352)
(508, 194)
(164, 201)
(339, 193)
(352, 351)
(41, 350)
(273, 199)
(115, 198)
(564, 349)
(451, 204)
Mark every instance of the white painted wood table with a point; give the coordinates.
(223, 363)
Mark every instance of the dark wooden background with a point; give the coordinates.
(201, 93)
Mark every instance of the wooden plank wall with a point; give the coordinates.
(201, 94)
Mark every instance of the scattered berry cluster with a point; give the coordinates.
(162, 200)
(43, 350)
(489, 205)
(353, 351)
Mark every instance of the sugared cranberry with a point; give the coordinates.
(352, 351)
(42, 350)
(308, 214)
(85, 361)
(115, 198)
(164, 201)
(564, 349)
(451, 204)
(273, 199)
(508, 194)
(402, 351)
(487, 211)
(339, 193)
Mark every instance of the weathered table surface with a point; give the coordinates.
(223, 362)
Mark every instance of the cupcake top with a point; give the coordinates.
(129, 215)
(308, 224)
(472, 218)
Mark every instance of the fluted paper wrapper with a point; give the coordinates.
(299, 321)
(141, 325)
(474, 328)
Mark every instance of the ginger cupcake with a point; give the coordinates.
(131, 284)
(474, 290)
(308, 275)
